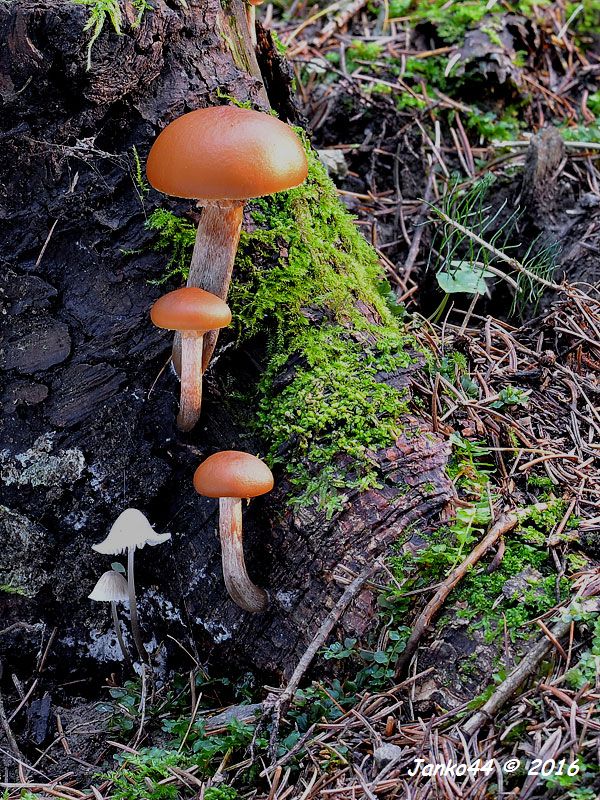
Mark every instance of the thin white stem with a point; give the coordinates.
(191, 380)
(135, 625)
(119, 632)
(251, 15)
(239, 586)
(216, 244)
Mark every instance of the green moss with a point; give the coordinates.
(522, 586)
(303, 277)
(10, 588)
(453, 20)
(359, 52)
(483, 598)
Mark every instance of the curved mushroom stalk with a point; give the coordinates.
(239, 586)
(211, 267)
(191, 380)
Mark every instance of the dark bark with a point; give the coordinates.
(83, 436)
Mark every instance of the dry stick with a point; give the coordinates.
(502, 525)
(16, 625)
(346, 12)
(327, 626)
(419, 228)
(526, 667)
(8, 733)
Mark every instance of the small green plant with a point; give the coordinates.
(360, 51)
(139, 775)
(10, 588)
(587, 669)
(570, 782)
(474, 246)
(510, 396)
(221, 793)
(175, 235)
(139, 178)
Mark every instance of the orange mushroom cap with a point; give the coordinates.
(190, 309)
(232, 473)
(226, 153)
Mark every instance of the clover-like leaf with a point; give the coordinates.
(464, 277)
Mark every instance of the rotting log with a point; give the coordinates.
(88, 417)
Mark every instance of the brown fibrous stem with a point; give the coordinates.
(239, 586)
(216, 244)
(135, 625)
(191, 379)
(119, 632)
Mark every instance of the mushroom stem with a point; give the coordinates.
(211, 266)
(119, 632)
(191, 380)
(135, 625)
(239, 586)
(251, 16)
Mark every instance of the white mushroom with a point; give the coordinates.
(112, 588)
(130, 531)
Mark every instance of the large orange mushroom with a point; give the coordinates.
(221, 157)
(232, 475)
(192, 312)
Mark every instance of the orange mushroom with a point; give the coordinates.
(192, 312)
(232, 475)
(221, 157)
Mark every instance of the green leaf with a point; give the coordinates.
(464, 278)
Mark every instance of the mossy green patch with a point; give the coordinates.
(523, 586)
(308, 280)
(11, 588)
(453, 20)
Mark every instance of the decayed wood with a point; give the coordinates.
(95, 430)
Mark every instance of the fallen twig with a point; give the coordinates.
(526, 667)
(277, 706)
(502, 525)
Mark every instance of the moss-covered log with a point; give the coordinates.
(316, 375)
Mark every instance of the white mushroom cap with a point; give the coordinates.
(130, 529)
(111, 588)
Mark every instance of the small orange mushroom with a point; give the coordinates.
(232, 475)
(192, 312)
(221, 157)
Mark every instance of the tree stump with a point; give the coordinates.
(87, 412)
